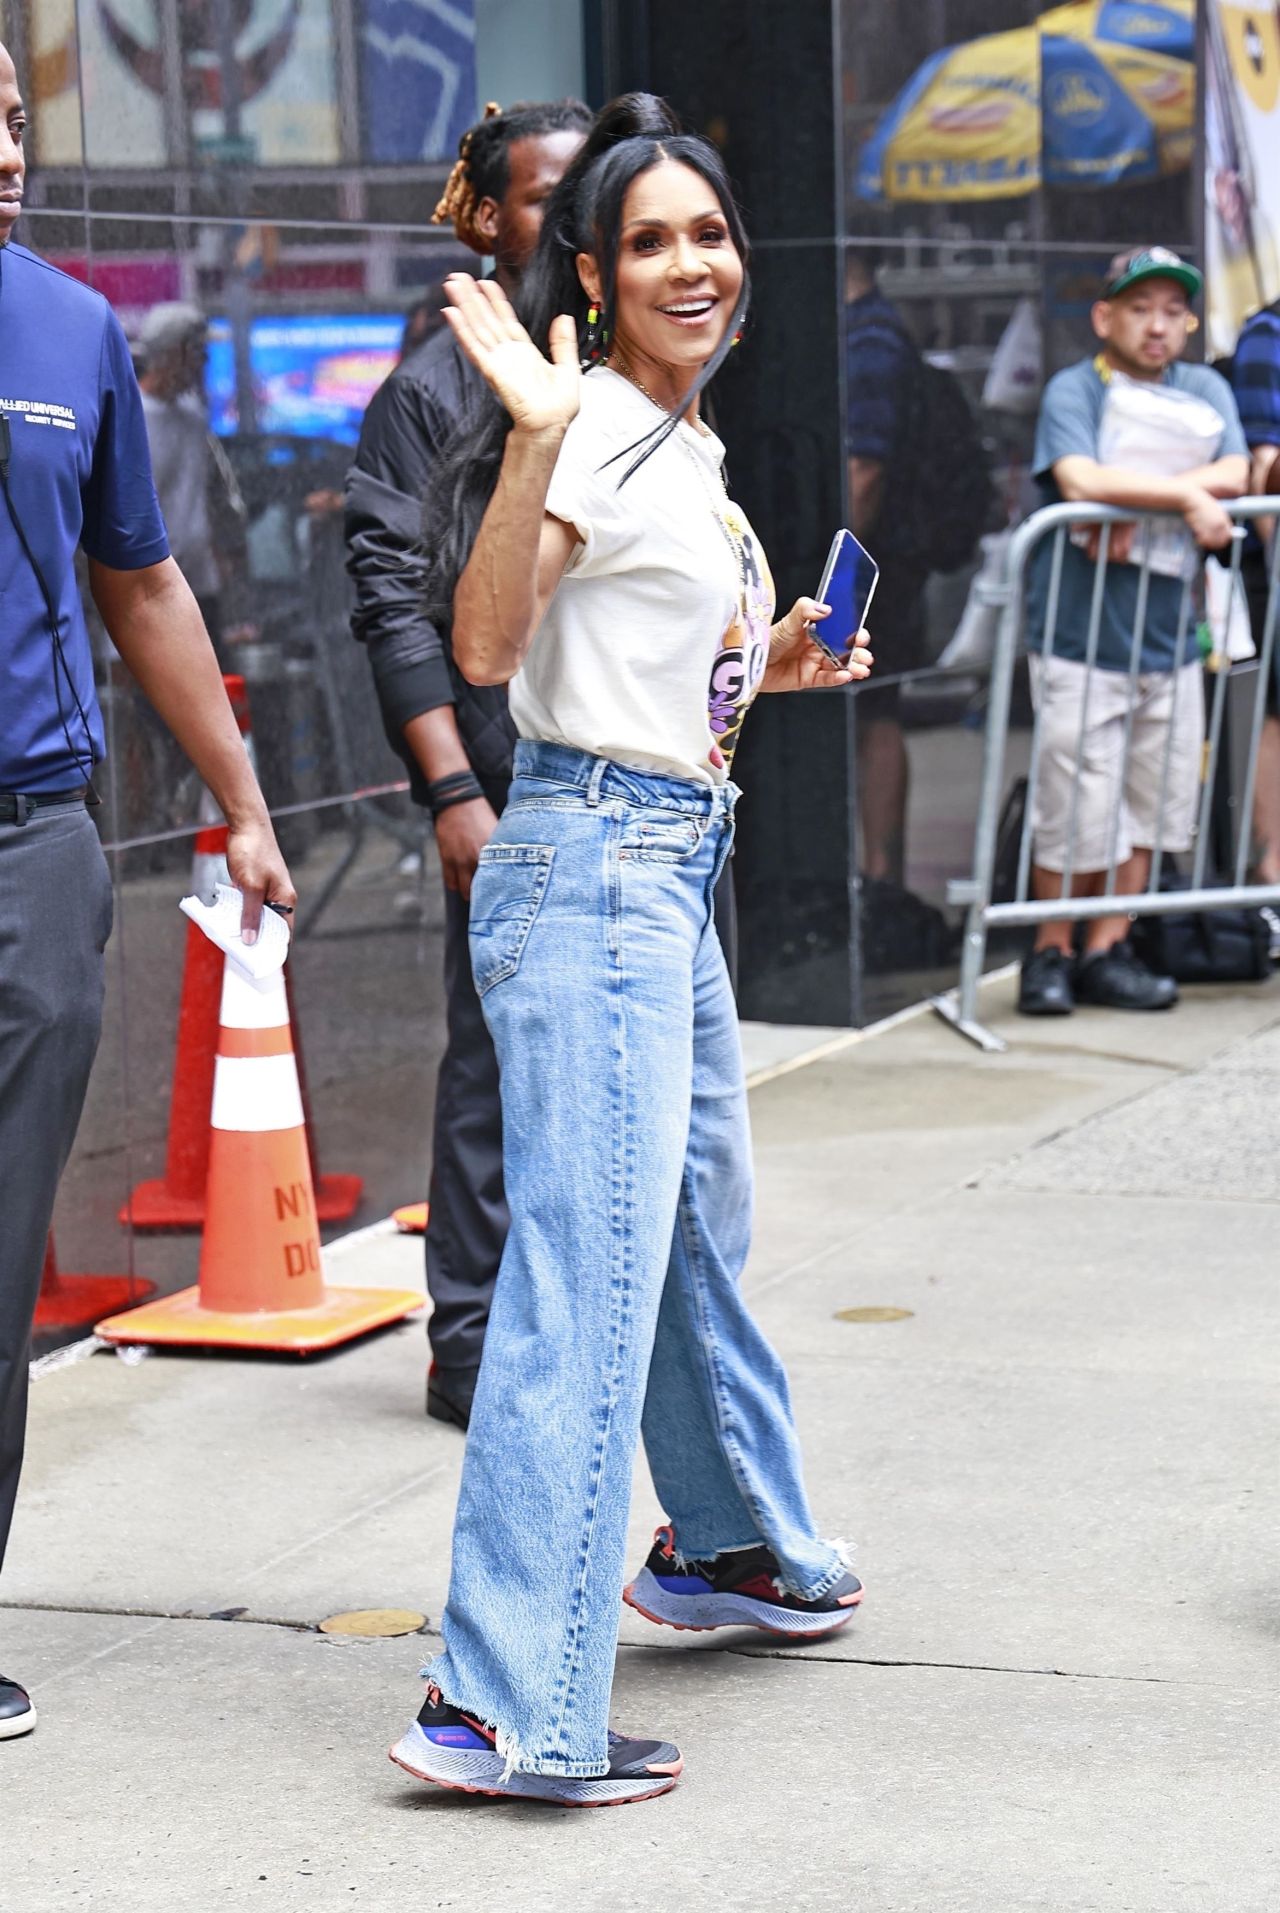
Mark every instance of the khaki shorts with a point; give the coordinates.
(1058, 686)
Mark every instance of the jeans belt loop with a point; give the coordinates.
(21, 810)
(597, 778)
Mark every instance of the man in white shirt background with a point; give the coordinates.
(1142, 323)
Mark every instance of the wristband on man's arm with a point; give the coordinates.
(459, 787)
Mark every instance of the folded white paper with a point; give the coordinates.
(220, 921)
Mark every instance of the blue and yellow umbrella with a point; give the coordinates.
(1148, 26)
(1095, 92)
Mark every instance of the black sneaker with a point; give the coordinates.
(17, 1710)
(734, 1590)
(1044, 988)
(1118, 979)
(451, 1749)
(449, 1394)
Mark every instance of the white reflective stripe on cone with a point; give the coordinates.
(250, 1005)
(208, 812)
(256, 1093)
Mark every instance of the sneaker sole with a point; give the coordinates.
(17, 1725)
(702, 1613)
(474, 1771)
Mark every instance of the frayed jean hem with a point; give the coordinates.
(816, 1591)
(685, 1556)
(508, 1745)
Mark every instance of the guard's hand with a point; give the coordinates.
(462, 832)
(258, 872)
(541, 394)
(1208, 521)
(796, 663)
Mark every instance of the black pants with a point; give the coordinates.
(55, 918)
(468, 1223)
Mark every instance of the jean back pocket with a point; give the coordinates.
(510, 883)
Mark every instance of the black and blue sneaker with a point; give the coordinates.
(17, 1710)
(744, 1589)
(451, 1749)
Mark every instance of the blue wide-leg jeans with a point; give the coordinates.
(618, 1307)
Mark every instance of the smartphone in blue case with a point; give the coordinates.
(848, 585)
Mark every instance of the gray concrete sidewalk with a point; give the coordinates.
(1059, 1466)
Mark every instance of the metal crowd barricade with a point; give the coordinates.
(984, 913)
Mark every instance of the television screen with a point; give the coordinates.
(313, 375)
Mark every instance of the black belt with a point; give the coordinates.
(15, 808)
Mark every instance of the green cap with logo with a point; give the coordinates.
(1151, 262)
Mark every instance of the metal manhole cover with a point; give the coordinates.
(873, 1315)
(375, 1623)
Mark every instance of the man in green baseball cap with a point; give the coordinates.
(1151, 262)
(1120, 737)
(1144, 316)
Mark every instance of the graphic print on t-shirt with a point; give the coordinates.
(744, 650)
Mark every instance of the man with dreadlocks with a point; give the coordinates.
(457, 740)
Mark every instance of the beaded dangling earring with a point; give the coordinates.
(736, 339)
(597, 338)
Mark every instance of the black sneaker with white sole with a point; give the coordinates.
(743, 1589)
(1044, 984)
(451, 1749)
(1118, 979)
(17, 1710)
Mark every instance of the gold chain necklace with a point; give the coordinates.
(731, 524)
(628, 371)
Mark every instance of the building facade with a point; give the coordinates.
(936, 185)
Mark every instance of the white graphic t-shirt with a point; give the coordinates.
(657, 637)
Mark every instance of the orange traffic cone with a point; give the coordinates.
(261, 1284)
(176, 1199)
(72, 1301)
(412, 1219)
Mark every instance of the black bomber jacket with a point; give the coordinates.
(410, 419)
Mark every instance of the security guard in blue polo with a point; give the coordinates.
(75, 471)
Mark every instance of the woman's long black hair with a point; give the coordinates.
(583, 214)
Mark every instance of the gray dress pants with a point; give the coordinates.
(55, 918)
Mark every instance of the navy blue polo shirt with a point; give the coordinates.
(79, 474)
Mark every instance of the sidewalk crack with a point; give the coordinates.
(959, 1667)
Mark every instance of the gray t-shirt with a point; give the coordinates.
(1070, 417)
(182, 463)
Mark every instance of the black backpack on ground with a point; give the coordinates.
(1004, 871)
(1205, 946)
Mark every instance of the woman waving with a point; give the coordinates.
(623, 597)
